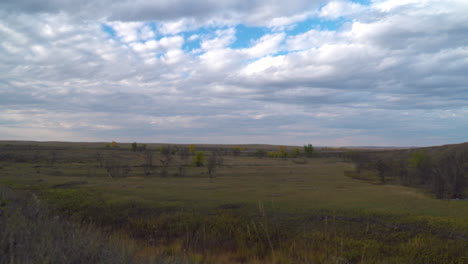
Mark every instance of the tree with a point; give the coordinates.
(283, 153)
(166, 157)
(116, 167)
(53, 157)
(236, 150)
(192, 149)
(260, 153)
(214, 160)
(100, 159)
(148, 165)
(296, 152)
(381, 169)
(114, 144)
(184, 154)
(309, 151)
(448, 175)
(198, 159)
(134, 147)
(358, 158)
(419, 165)
(401, 170)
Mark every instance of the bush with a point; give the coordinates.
(30, 234)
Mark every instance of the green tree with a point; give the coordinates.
(309, 150)
(199, 159)
(114, 144)
(283, 153)
(260, 153)
(296, 152)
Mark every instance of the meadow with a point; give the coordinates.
(250, 209)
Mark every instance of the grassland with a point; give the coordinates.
(254, 210)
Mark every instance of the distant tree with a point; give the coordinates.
(143, 147)
(296, 152)
(99, 158)
(309, 151)
(148, 165)
(236, 150)
(381, 169)
(283, 152)
(401, 170)
(449, 175)
(358, 158)
(37, 155)
(116, 167)
(134, 146)
(199, 159)
(420, 166)
(214, 160)
(53, 157)
(184, 154)
(260, 153)
(273, 154)
(114, 144)
(166, 158)
(192, 149)
(223, 151)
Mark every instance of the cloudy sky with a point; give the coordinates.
(336, 73)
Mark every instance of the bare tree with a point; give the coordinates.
(116, 167)
(148, 165)
(214, 160)
(448, 175)
(53, 157)
(184, 155)
(100, 159)
(166, 158)
(381, 169)
(37, 155)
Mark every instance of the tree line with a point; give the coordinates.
(444, 174)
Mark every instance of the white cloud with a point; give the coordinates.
(221, 39)
(267, 44)
(337, 9)
(127, 31)
(393, 69)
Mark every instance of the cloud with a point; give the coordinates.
(391, 72)
(174, 13)
(337, 9)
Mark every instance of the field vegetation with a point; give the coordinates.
(234, 204)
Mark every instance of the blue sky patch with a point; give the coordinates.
(109, 30)
(317, 24)
(246, 35)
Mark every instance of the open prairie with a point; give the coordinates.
(250, 209)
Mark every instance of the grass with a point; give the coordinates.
(29, 233)
(254, 210)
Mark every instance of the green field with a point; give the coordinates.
(254, 210)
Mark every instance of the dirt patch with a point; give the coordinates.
(135, 178)
(69, 184)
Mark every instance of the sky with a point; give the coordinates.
(330, 73)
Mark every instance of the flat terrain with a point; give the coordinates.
(299, 207)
